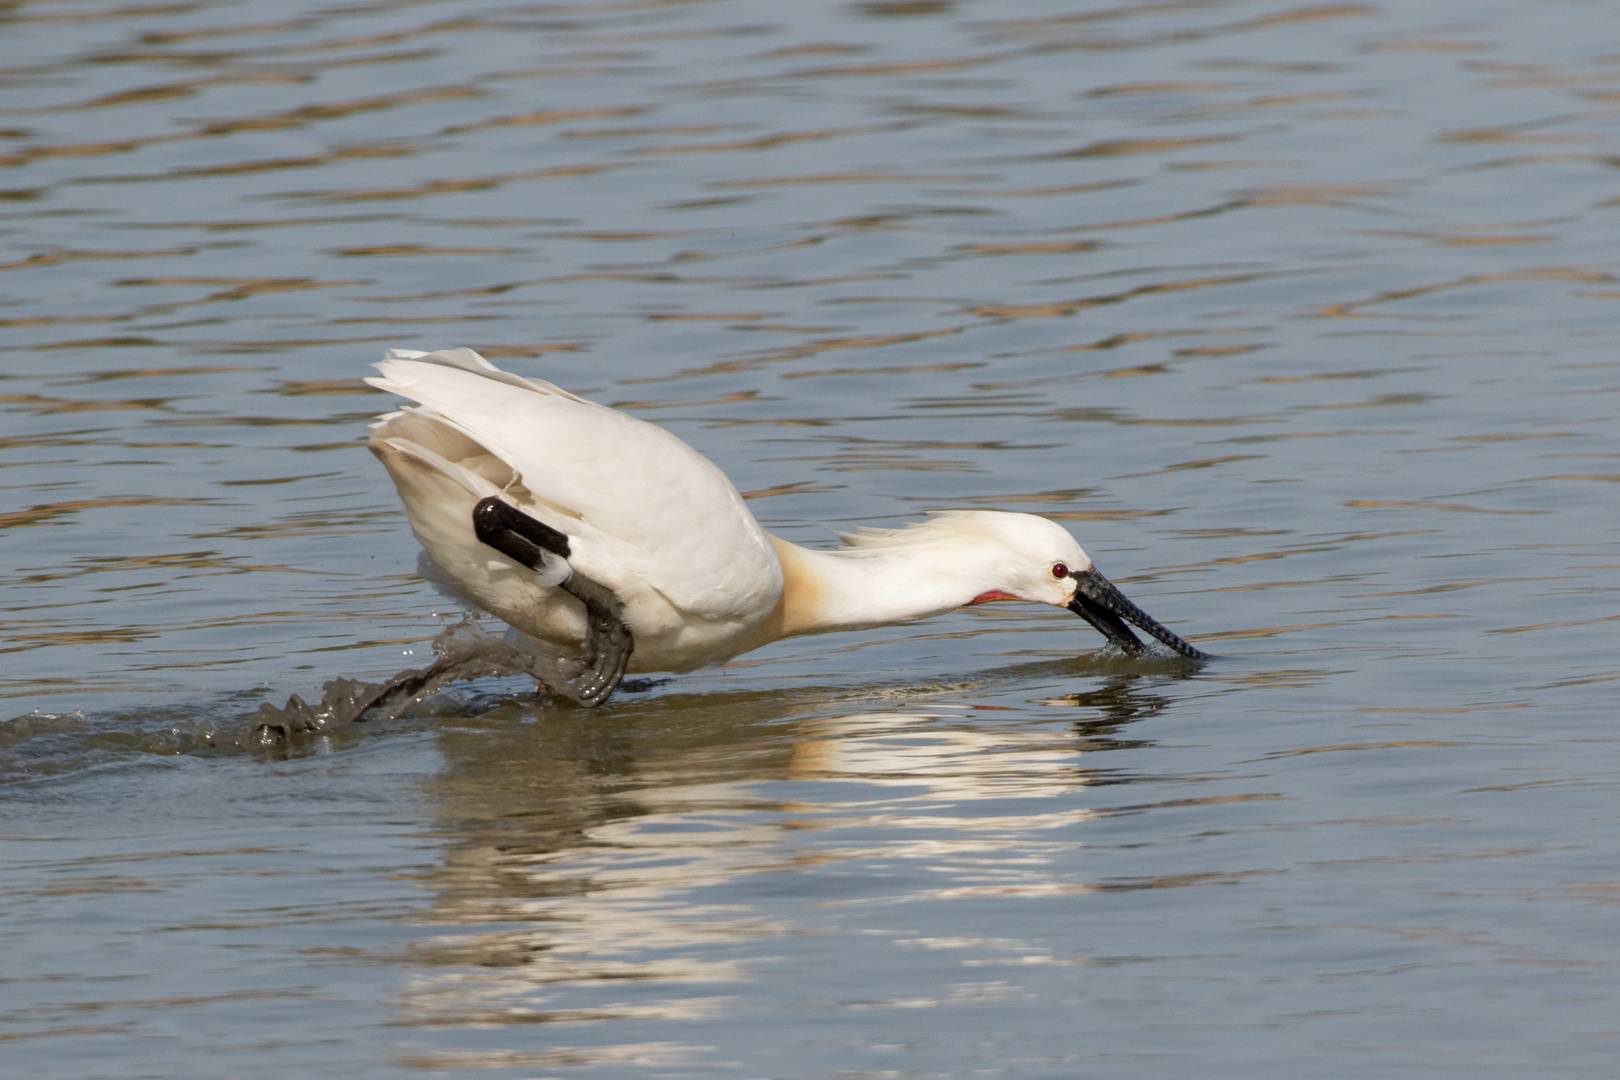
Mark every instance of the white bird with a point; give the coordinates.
(608, 538)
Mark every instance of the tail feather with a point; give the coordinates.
(407, 369)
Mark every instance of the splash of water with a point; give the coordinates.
(40, 744)
(465, 651)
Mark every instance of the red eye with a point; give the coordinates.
(1060, 570)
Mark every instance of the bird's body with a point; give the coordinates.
(665, 532)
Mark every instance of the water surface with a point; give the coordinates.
(1300, 316)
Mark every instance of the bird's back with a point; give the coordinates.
(644, 512)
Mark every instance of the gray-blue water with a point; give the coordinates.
(1302, 316)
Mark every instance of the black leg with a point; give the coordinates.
(515, 534)
(608, 641)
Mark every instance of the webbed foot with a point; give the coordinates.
(608, 641)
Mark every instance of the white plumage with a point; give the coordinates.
(660, 526)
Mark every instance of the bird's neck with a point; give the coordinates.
(824, 591)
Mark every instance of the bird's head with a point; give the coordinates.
(1037, 560)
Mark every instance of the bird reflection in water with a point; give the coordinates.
(596, 861)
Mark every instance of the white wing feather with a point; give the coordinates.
(650, 509)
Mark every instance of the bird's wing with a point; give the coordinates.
(650, 505)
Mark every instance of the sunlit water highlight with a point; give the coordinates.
(1300, 316)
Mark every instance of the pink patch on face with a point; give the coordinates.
(994, 594)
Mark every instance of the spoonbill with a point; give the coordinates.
(603, 537)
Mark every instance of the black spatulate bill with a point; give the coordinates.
(1097, 601)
